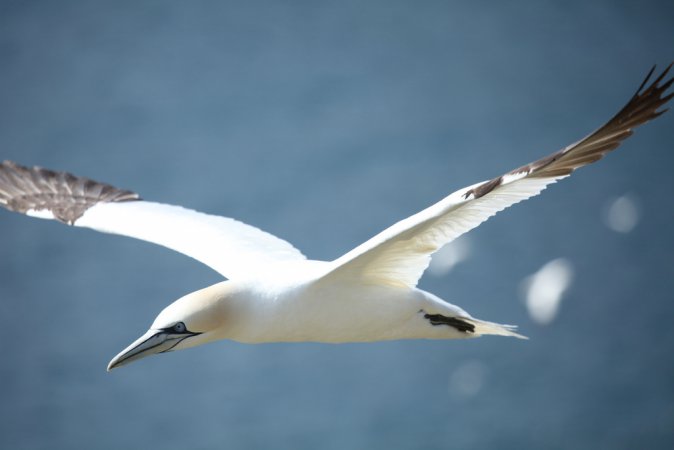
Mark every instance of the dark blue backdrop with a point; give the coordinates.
(325, 122)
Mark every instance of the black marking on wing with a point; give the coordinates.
(456, 322)
(65, 195)
(642, 107)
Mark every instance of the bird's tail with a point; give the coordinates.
(483, 327)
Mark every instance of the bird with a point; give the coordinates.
(271, 292)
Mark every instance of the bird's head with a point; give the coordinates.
(191, 320)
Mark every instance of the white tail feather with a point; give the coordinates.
(483, 327)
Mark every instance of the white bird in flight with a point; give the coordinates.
(272, 292)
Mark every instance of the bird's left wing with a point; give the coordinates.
(400, 254)
(232, 248)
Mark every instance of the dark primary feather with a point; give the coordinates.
(66, 196)
(642, 107)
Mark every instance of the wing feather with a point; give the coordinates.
(232, 248)
(400, 254)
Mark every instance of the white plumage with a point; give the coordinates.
(273, 292)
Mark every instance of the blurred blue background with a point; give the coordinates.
(323, 123)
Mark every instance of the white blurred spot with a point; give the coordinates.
(622, 214)
(467, 379)
(543, 291)
(444, 260)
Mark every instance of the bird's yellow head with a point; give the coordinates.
(194, 319)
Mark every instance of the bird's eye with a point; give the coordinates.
(179, 327)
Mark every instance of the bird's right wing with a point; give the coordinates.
(232, 248)
(399, 255)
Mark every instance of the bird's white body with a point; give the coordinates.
(321, 311)
(273, 293)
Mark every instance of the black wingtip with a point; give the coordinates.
(663, 74)
(66, 196)
(667, 84)
(643, 83)
(645, 87)
(659, 113)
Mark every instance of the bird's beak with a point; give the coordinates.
(152, 342)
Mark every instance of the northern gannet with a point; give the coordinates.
(272, 292)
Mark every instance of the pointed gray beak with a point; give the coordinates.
(152, 342)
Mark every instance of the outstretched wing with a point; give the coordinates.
(400, 254)
(232, 248)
